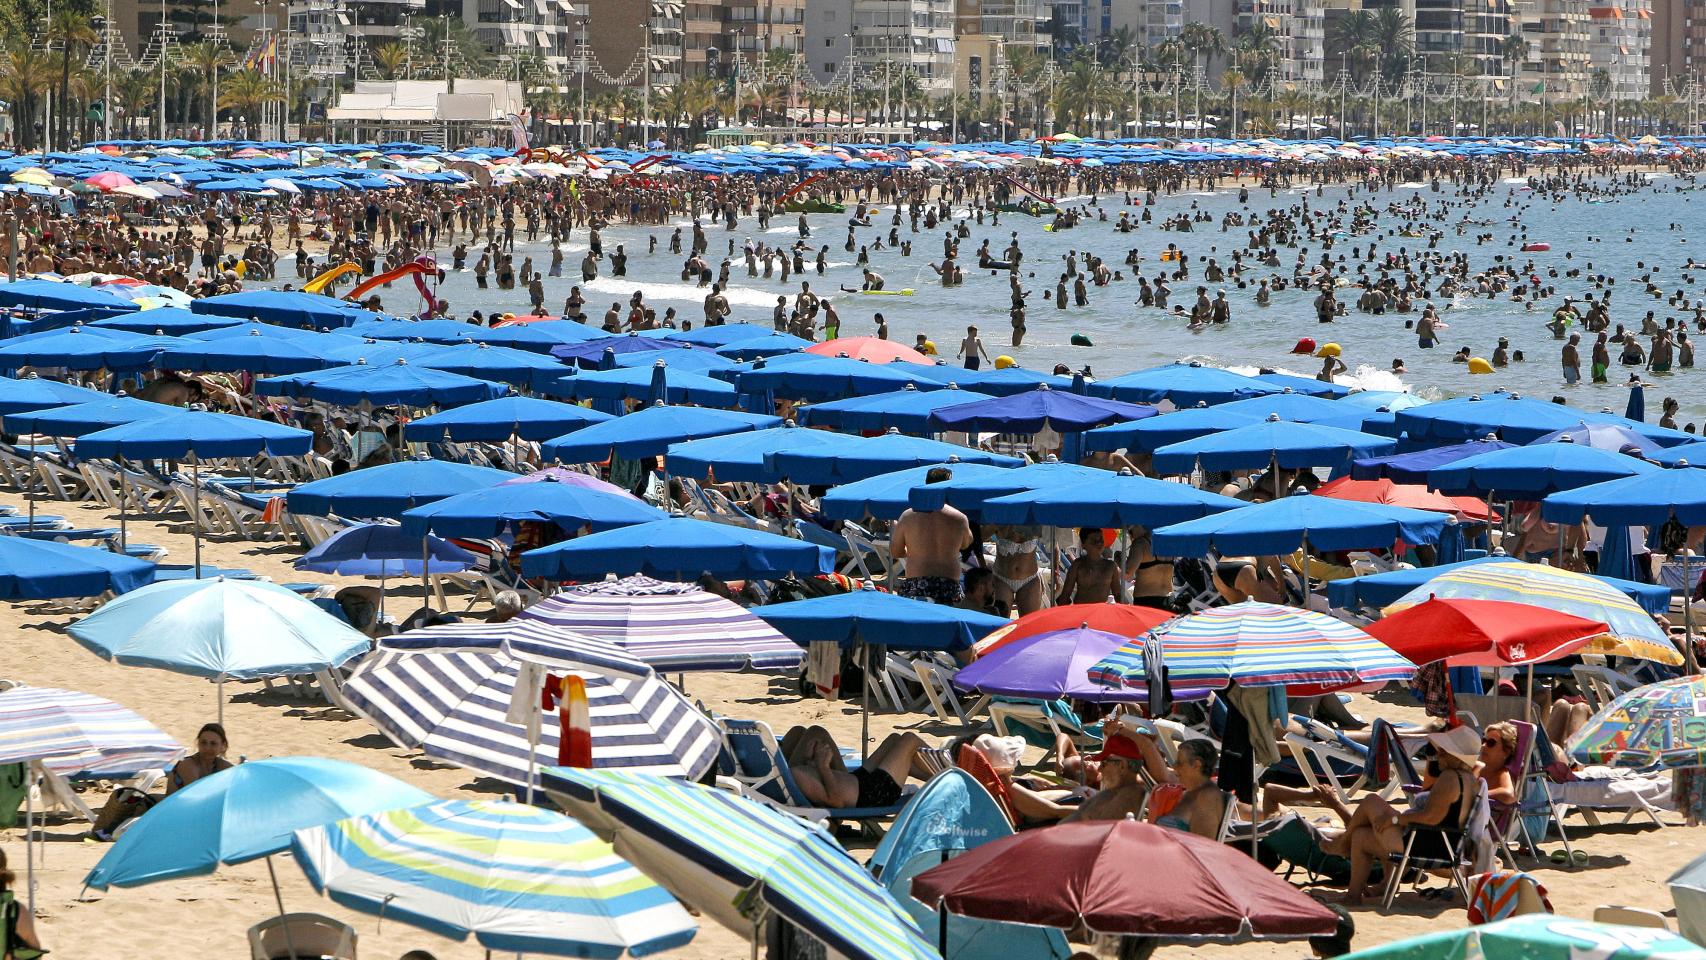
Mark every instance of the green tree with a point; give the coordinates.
(71, 30)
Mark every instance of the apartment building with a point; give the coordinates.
(1619, 42)
(877, 37)
(1557, 33)
(1149, 21)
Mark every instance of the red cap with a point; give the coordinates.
(1304, 345)
(1119, 746)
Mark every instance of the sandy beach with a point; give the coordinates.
(207, 917)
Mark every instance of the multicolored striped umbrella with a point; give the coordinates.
(1258, 645)
(526, 640)
(456, 706)
(735, 860)
(1658, 725)
(1562, 590)
(517, 878)
(675, 627)
(78, 734)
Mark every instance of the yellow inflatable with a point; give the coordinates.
(906, 292)
(1004, 361)
(1479, 365)
(1168, 255)
(929, 348)
(1328, 350)
(326, 279)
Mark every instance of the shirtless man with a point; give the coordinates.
(1092, 578)
(1123, 790)
(825, 780)
(930, 542)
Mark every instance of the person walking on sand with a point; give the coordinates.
(971, 349)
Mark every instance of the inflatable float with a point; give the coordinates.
(903, 292)
(420, 268)
(1536, 247)
(815, 206)
(331, 276)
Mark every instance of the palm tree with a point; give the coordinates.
(245, 91)
(1233, 80)
(203, 61)
(136, 92)
(391, 60)
(1513, 50)
(1203, 41)
(1395, 37)
(466, 49)
(1354, 43)
(1258, 50)
(73, 32)
(25, 75)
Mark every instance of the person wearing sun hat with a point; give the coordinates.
(1375, 830)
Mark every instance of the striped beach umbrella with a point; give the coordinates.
(79, 734)
(456, 706)
(675, 627)
(517, 878)
(1562, 590)
(1258, 645)
(737, 861)
(530, 641)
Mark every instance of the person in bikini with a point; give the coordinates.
(1016, 570)
(823, 777)
(1151, 576)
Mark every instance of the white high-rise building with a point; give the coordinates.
(881, 37)
(1620, 42)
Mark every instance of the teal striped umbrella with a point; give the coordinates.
(518, 878)
(736, 860)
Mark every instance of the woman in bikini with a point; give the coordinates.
(208, 759)
(1249, 578)
(1017, 576)
(1151, 576)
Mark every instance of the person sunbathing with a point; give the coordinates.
(1201, 807)
(208, 759)
(1119, 768)
(824, 779)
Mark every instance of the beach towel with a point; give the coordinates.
(1164, 799)
(1503, 894)
(823, 668)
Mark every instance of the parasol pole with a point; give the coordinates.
(1687, 605)
(195, 524)
(123, 537)
(289, 941)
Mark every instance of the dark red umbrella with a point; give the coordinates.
(1483, 633)
(1123, 877)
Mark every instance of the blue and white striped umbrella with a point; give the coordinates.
(456, 706)
(517, 878)
(546, 644)
(675, 627)
(79, 734)
(736, 860)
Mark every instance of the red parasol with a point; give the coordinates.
(1123, 877)
(1412, 495)
(868, 348)
(1484, 633)
(524, 320)
(1116, 618)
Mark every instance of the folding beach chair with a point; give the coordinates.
(1460, 860)
(302, 935)
(764, 775)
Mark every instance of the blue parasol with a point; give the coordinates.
(1289, 446)
(1413, 467)
(853, 459)
(383, 385)
(487, 512)
(1063, 410)
(496, 421)
(1183, 384)
(740, 457)
(908, 409)
(1534, 471)
(1284, 525)
(389, 489)
(1124, 500)
(679, 548)
(649, 432)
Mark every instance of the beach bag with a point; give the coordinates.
(14, 786)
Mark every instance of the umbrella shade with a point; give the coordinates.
(521, 368)
(649, 432)
(636, 383)
(807, 376)
(1539, 936)
(1148, 435)
(679, 548)
(1003, 382)
(861, 458)
(1182, 384)
(487, 512)
(1047, 666)
(760, 348)
(218, 628)
(1515, 419)
(384, 550)
(675, 627)
(383, 385)
(740, 457)
(172, 321)
(589, 353)
(1124, 877)
(516, 878)
(254, 352)
(455, 706)
(1686, 454)
(1645, 499)
(26, 394)
(1122, 619)
(79, 735)
(873, 349)
(1535, 471)
(1483, 633)
(721, 335)
(80, 418)
(244, 813)
(496, 421)
(1281, 526)
(85, 348)
(871, 616)
(1605, 436)
(197, 434)
(1308, 386)
(1565, 591)
(60, 295)
(573, 478)
(888, 496)
(1062, 410)
(908, 409)
(287, 308)
(1412, 495)
(525, 641)
(1292, 446)
(1258, 645)
(1124, 500)
(1380, 589)
(33, 569)
(390, 489)
(968, 491)
(720, 852)
(1658, 725)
